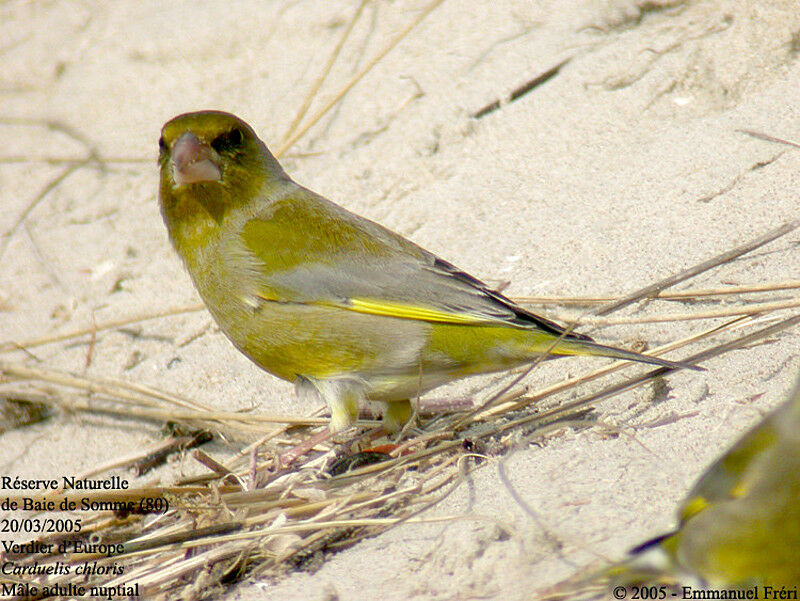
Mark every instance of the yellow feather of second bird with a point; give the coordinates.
(740, 523)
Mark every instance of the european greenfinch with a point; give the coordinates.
(740, 524)
(323, 298)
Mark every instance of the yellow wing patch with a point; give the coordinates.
(406, 311)
(390, 309)
(692, 507)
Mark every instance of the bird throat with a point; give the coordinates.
(212, 203)
(193, 218)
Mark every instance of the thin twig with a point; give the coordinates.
(51, 185)
(726, 257)
(324, 74)
(768, 138)
(108, 325)
(688, 294)
(357, 77)
(751, 309)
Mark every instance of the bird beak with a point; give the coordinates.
(193, 161)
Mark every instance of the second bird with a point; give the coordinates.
(324, 298)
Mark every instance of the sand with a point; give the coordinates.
(623, 168)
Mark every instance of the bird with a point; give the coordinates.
(342, 307)
(739, 526)
(737, 532)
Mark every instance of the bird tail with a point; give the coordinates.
(586, 347)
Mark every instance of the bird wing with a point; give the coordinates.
(736, 473)
(310, 250)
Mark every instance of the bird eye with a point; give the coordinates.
(162, 146)
(230, 140)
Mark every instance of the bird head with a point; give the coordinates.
(211, 162)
